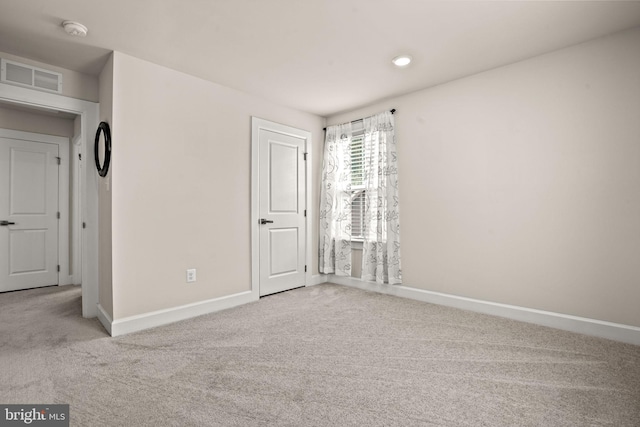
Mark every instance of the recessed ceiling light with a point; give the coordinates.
(401, 61)
(75, 28)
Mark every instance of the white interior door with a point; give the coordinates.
(28, 211)
(282, 212)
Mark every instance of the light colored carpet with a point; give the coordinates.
(320, 356)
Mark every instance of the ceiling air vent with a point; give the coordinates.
(29, 76)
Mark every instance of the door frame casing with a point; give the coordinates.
(88, 112)
(65, 277)
(258, 124)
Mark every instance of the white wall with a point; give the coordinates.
(33, 121)
(520, 185)
(181, 185)
(105, 289)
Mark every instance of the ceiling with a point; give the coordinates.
(319, 56)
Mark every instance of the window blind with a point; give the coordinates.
(358, 158)
(357, 161)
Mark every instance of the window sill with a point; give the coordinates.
(356, 244)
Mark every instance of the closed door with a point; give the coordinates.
(282, 216)
(28, 211)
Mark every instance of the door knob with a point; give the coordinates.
(265, 221)
(5, 222)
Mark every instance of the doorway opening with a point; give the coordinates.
(82, 184)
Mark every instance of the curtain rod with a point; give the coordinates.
(393, 110)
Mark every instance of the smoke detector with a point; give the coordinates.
(75, 28)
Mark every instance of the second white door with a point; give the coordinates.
(282, 212)
(29, 214)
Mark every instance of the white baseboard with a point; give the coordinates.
(140, 322)
(582, 325)
(317, 279)
(105, 319)
(152, 319)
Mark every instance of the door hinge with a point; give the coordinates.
(84, 225)
(58, 269)
(305, 212)
(305, 156)
(79, 156)
(59, 160)
(58, 215)
(305, 268)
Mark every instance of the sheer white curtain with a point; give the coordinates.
(335, 202)
(381, 247)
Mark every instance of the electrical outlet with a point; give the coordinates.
(191, 275)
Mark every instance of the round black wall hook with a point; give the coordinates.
(104, 168)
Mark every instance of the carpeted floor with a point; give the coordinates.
(320, 356)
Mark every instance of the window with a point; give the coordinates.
(360, 178)
(358, 158)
